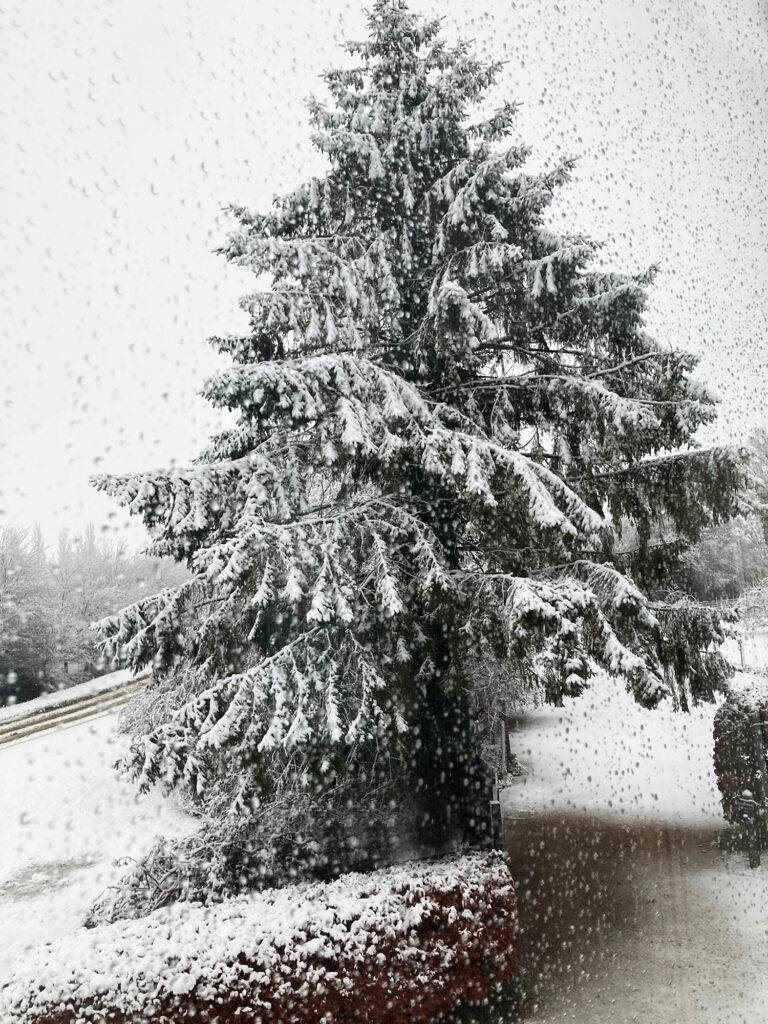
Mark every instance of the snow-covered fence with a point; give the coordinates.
(404, 944)
(68, 707)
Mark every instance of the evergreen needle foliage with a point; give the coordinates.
(446, 417)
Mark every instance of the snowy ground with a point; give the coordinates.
(67, 816)
(633, 913)
(749, 650)
(603, 753)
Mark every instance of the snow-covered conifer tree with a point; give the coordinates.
(446, 418)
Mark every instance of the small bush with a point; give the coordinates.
(736, 763)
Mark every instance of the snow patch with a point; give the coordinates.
(602, 753)
(67, 815)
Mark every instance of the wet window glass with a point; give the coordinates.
(384, 528)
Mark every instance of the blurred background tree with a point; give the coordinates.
(48, 599)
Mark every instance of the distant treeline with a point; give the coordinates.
(50, 595)
(728, 560)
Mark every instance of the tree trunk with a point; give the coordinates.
(452, 784)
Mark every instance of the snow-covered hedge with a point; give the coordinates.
(401, 944)
(736, 760)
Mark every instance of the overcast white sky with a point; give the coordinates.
(126, 127)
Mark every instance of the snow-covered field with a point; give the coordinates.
(749, 649)
(66, 817)
(603, 753)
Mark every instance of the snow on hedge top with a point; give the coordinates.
(214, 949)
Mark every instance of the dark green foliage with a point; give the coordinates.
(739, 732)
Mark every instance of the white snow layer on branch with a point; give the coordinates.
(362, 410)
(281, 703)
(575, 599)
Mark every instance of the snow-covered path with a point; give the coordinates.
(66, 817)
(629, 911)
(637, 922)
